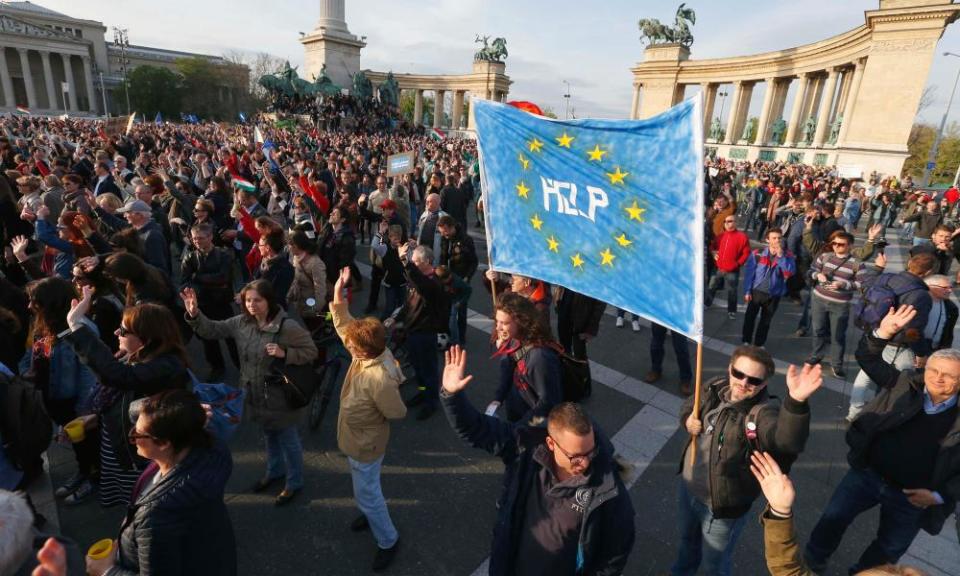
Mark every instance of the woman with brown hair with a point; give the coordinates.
(530, 374)
(152, 359)
(264, 332)
(65, 240)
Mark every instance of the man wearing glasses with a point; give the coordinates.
(564, 509)
(730, 249)
(904, 453)
(736, 416)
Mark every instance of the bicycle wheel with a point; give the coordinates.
(321, 397)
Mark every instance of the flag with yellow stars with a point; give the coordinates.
(609, 208)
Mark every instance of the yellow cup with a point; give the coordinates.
(75, 431)
(100, 549)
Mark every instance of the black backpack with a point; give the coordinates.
(576, 382)
(24, 424)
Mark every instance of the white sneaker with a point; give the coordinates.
(619, 321)
(636, 325)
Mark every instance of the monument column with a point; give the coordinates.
(88, 83)
(53, 103)
(438, 108)
(417, 107)
(27, 78)
(826, 104)
(729, 137)
(8, 99)
(636, 102)
(71, 85)
(709, 90)
(852, 96)
(457, 109)
(764, 121)
(798, 99)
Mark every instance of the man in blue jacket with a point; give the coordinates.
(564, 509)
(764, 282)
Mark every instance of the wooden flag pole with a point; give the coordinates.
(696, 402)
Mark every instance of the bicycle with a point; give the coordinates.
(326, 339)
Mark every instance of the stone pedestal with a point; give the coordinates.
(332, 44)
(661, 91)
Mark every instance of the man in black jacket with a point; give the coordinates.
(156, 246)
(209, 271)
(459, 254)
(455, 200)
(578, 321)
(565, 509)
(904, 453)
(736, 416)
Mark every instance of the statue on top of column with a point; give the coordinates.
(715, 129)
(494, 51)
(835, 129)
(654, 32)
(809, 127)
(778, 131)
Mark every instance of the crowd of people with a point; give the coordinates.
(119, 250)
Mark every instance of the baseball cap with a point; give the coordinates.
(135, 206)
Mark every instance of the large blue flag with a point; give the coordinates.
(609, 208)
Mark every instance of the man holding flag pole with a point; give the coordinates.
(614, 210)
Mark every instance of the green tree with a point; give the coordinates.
(154, 89)
(919, 144)
(408, 104)
(203, 83)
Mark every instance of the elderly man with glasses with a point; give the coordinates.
(730, 250)
(736, 416)
(904, 453)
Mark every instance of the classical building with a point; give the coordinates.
(854, 97)
(54, 64)
(331, 48)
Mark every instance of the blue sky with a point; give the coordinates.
(592, 48)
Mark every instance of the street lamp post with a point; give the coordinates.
(931, 161)
(566, 113)
(723, 98)
(122, 40)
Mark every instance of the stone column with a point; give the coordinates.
(457, 109)
(798, 99)
(8, 100)
(636, 102)
(27, 78)
(709, 91)
(848, 109)
(841, 101)
(72, 87)
(764, 121)
(746, 95)
(733, 114)
(438, 108)
(826, 104)
(53, 103)
(417, 107)
(88, 81)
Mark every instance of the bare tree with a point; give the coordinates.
(927, 98)
(259, 64)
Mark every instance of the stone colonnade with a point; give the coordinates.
(34, 78)
(488, 81)
(847, 100)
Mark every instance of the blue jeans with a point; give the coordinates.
(394, 297)
(728, 280)
(658, 336)
(285, 456)
(859, 491)
(422, 352)
(804, 324)
(827, 314)
(919, 241)
(699, 527)
(369, 497)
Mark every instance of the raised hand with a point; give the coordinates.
(19, 245)
(79, 308)
(342, 282)
(189, 297)
(776, 486)
(453, 370)
(874, 231)
(895, 321)
(881, 261)
(803, 382)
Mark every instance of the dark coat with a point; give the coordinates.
(108, 185)
(280, 273)
(180, 526)
(607, 531)
(900, 399)
(459, 254)
(781, 430)
(338, 248)
(210, 275)
(156, 246)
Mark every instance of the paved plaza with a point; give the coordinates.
(441, 492)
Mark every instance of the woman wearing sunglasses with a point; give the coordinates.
(179, 493)
(736, 416)
(152, 359)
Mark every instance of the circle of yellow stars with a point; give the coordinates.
(617, 177)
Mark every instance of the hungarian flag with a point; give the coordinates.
(23, 110)
(437, 134)
(245, 185)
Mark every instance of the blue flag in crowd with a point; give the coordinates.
(243, 118)
(269, 150)
(158, 120)
(609, 208)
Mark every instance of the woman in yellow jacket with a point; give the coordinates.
(369, 398)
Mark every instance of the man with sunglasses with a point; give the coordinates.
(736, 416)
(564, 509)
